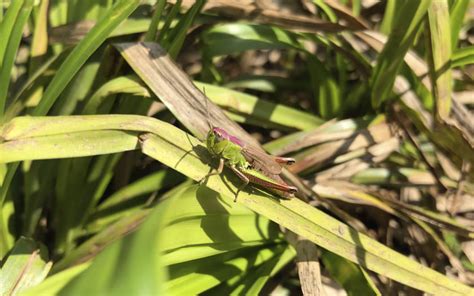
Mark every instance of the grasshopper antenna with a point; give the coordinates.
(207, 110)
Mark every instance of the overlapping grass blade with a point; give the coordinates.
(146, 273)
(456, 16)
(12, 27)
(400, 39)
(26, 266)
(259, 109)
(440, 36)
(178, 34)
(54, 284)
(463, 56)
(352, 277)
(124, 84)
(80, 54)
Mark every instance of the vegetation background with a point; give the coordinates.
(102, 114)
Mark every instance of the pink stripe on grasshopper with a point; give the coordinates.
(222, 134)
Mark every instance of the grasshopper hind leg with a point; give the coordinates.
(216, 172)
(243, 178)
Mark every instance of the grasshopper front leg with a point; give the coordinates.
(243, 178)
(219, 170)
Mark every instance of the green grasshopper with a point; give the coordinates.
(249, 164)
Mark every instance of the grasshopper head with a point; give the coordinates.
(220, 133)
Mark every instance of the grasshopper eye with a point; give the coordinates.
(217, 131)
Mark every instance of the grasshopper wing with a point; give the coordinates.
(261, 161)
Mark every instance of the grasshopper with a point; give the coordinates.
(261, 161)
(249, 164)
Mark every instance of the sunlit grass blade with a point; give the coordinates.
(352, 277)
(256, 273)
(220, 271)
(54, 284)
(400, 39)
(151, 34)
(457, 15)
(7, 25)
(389, 16)
(236, 38)
(170, 17)
(147, 184)
(259, 109)
(178, 34)
(123, 84)
(39, 45)
(26, 266)
(440, 36)
(65, 146)
(83, 51)
(101, 240)
(13, 30)
(463, 56)
(132, 252)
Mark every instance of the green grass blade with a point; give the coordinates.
(219, 271)
(325, 88)
(391, 58)
(11, 50)
(119, 12)
(253, 283)
(236, 38)
(179, 32)
(11, 30)
(163, 35)
(124, 84)
(327, 10)
(440, 36)
(66, 146)
(463, 56)
(7, 25)
(146, 273)
(53, 285)
(153, 28)
(352, 277)
(26, 266)
(456, 16)
(39, 44)
(389, 16)
(112, 232)
(259, 109)
(147, 184)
